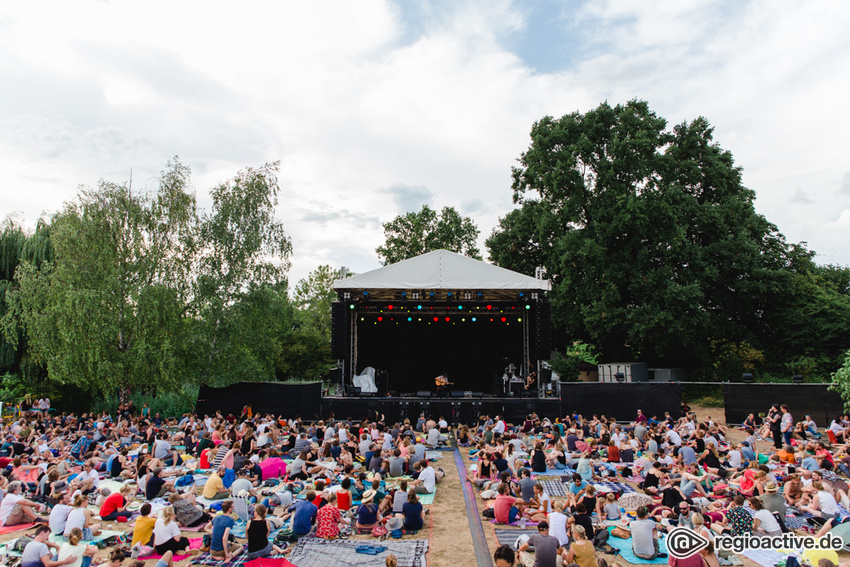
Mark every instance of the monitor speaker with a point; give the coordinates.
(423, 394)
(457, 393)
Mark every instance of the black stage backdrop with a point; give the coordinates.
(414, 353)
(621, 401)
(802, 399)
(290, 400)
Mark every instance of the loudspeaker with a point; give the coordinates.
(457, 393)
(335, 376)
(545, 375)
(423, 394)
(542, 345)
(340, 329)
(747, 377)
(477, 394)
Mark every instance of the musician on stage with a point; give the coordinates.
(442, 381)
(530, 383)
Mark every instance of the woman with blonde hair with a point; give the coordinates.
(166, 534)
(73, 547)
(581, 551)
(81, 517)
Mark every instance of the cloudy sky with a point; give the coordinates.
(375, 107)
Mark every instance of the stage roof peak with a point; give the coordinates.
(442, 269)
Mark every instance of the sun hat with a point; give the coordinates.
(394, 523)
(367, 496)
(770, 486)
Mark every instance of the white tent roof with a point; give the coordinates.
(441, 269)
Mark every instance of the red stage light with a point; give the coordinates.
(489, 307)
(436, 319)
(503, 319)
(380, 318)
(389, 306)
(448, 319)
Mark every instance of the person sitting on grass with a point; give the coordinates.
(546, 548)
(166, 534)
(367, 514)
(581, 551)
(83, 518)
(257, 531)
(414, 512)
(220, 546)
(214, 487)
(328, 518)
(543, 505)
(115, 506)
(73, 548)
(37, 552)
(15, 509)
(644, 532)
(507, 508)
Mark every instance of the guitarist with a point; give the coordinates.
(442, 381)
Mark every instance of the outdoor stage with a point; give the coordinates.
(614, 400)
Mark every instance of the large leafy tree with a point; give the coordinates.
(108, 311)
(243, 248)
(650, 238)
(416, 233)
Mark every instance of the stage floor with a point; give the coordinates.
(454, 410)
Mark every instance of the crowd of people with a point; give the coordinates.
(636, 481)
(342, 477)
(326, 479)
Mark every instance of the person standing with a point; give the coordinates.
(774, 421)
(786, 424)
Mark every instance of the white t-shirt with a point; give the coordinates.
(8, 504)
(499, 427)
(58, 517)
(673, 437)
(162, 532)
(76, 519)
(558, 527)
(735, 458)
(767, 522)
(92, 474)
(429, 479)
(67, 550)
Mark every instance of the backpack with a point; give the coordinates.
(285, 536)
(21, 543)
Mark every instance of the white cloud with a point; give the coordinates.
(356, 98)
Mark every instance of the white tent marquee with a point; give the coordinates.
(441, 269)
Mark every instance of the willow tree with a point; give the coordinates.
(108, 312)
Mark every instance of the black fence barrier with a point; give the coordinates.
(815, 400)
(621, 401)
(290, 400)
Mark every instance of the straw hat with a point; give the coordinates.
(367, 496)
(770, 486)
(394, 523)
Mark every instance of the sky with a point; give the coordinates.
(375, 108)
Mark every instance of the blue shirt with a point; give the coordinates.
(220, 523)
(305, 515)
(688, 455)
(810, 464)
(576, 489)
(412, 515)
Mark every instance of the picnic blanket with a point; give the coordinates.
(515, 523)
(102, 536)
(608, 486)
(625, 548)
(555, 488)
(509, 537)
(317, 552)
(238, 561)
(194, 543)
(14, 528)
(426, 499)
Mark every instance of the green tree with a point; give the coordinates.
(243, 247)
(841, 380)
(108, 311)
(652, 242)
(413, 233)
(313, 297)
(568, 365)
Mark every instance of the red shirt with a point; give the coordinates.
(502, 509)
(826, 454)
(111, 504)
(205, 458)
(327, 521)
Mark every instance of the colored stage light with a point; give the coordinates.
(436, 318)
(390, 307)
(527, 306)
(473, 319)
(448, 319)
(504, 319)
(519, 320)
(410, 318)
(380, 318)
(351, 306)
(489, 307)
(459, 307)
(419, 307)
